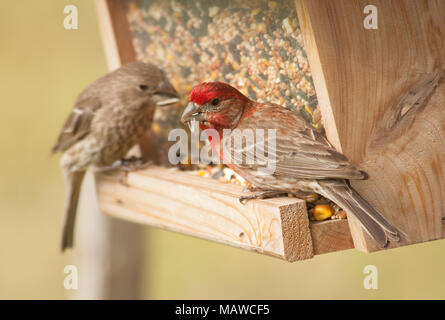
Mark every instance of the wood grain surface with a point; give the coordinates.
(382, 98)
(111, 250)
(205, 208)
(331, 235)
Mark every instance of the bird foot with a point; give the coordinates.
(306, 196)
(124, 166)
(262, 195)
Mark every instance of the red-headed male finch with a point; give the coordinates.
(107, 120)
(303, 160)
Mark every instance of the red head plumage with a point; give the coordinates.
(206, 91)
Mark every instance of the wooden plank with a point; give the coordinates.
(381, 95)
(205, 208)
(108, 251)
(331, 235)
(115, 32)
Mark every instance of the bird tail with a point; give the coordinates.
(73, 182)
(340, 192)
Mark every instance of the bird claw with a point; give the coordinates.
(122, 178)
(125, 166)
(134, 164)
(262, 195)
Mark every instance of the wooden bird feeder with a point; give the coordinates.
(381, 93)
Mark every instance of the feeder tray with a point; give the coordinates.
(381, 93)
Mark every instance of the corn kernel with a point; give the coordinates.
(260, 27)
(133, 7)
(201, 173)
(322, 212)
(187, 87)
(272, 4)
(156, 127)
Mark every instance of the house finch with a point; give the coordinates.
(107, 119)
(304, 161)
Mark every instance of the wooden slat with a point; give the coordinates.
(109, 251)
(205, 208)
(365, 81)
(115, 32)
(331, 235)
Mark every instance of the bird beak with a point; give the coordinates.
(166, 94)
(190, 112)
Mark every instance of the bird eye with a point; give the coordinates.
(215, 102)
(143, 87)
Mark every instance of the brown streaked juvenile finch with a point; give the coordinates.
(303, 160)
(107, 119)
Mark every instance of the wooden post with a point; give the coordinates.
(109, 250)
(382, 97)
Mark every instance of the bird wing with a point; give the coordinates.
(78, 123)
(300, 151)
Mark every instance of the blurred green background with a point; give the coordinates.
(43, 68)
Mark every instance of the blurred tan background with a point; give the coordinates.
(43, 68)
